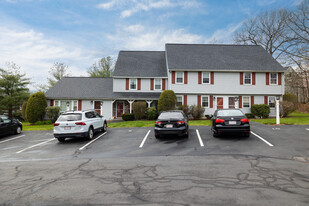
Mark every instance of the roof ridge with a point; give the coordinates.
(138, 51)
(213, 44)
(87, 77)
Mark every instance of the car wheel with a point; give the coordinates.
(157, 136)
(214, 134)
(104, 127)
(18, 130)
(90, 133)
(186, 135)
(61, 139)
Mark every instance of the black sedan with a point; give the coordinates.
(9, 126)
(230, 121)
(172, 123)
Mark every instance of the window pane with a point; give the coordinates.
(273, 78)
(206, 77)
(205, 101)
(158, 83)
(133, 84)
(246, 102)
(75, 106)
(247, 78)
(63, 106)
(179, 77)
(271, 101)
(179, 100)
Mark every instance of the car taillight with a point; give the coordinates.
(219, 121)
(181, 122)
(56, 124)
(80, 123)
(158, 122)
(245, 120)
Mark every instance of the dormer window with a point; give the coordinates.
(179, 77)
(133, 84)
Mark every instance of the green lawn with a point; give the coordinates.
(28, 127)
(296, 118)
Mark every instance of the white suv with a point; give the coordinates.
(79, 124)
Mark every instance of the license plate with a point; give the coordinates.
(67, 128)
(232, 122)
(169, 126)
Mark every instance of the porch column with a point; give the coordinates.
(130, 102)
(149, 102)
(112, 106)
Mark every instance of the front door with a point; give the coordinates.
(97, 106)
(232, 102)
(120, 106)
(219, 102)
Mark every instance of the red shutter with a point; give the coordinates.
(186, 77)
(279, 79)
(79, 105)
(127, 83)
(173, 77)
(212, 79)
(163, 84)
(184, 99)
(241, 78)
(198, 100)
(211, 102)
(267, 78)
(253, 78)
(199, 77)
(252, 100)
(51, 103)
(139, 84)
(240, 102)
(151, 84)
(266, 100)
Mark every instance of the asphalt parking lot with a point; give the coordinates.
(128, 166)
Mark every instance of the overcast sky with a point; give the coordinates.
(36, 33)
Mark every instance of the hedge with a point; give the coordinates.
(36, 105)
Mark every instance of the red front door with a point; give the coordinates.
(97, 106)
(232, 102)
(120, 106)
(219, 102)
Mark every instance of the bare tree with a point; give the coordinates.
(58, 71)
(103, 68)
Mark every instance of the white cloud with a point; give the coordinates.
(35, 53)
(137, 37)
(223, 35)
(130, 7)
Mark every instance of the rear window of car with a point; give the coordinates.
(70, 117)
(171, 115)
(225, 113)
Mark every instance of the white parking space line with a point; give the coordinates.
(144, 140)
(269, 144)
(199, 138)
(307, 129)
(83, 147)
(36, 145)
(12, 139)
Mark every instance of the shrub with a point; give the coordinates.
(36, 105)
(139, 110)
(260, 110)
(17, 115)
(167, 101)
(185, 109)
(151, 113)
(52, 113)
(286, 108)
(23, 111)
(249, 115)
(128, 117)
(196, 111)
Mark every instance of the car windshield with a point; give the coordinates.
(225, 113)
(5, 119)
(171, 115)
(70, 117)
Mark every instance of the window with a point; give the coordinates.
(75, 106)
(57, 103)
(273, 78)
(179, 77)
(63, 104)
(247, 78)
(133, 83)
(205, 101)
(206, 78)
(246, 102)
(271, 101)
(179, 100)
(157, 84)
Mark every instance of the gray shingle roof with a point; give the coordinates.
(140, 64)
(92, 88)
(220, 57)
